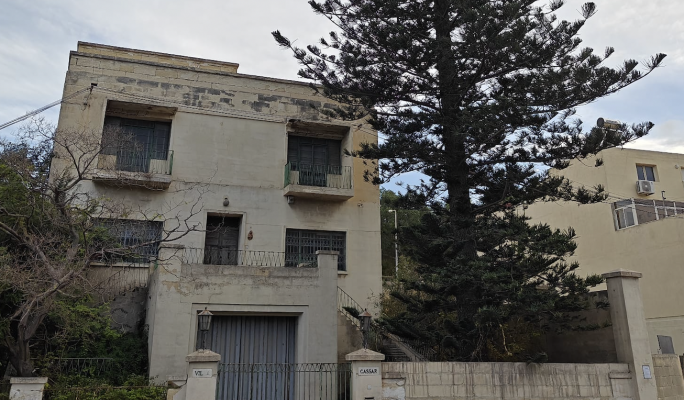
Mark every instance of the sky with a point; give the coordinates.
(36, 37)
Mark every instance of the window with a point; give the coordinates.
(135, 143)
(645, 173)
(139, 240)
(314, 158)
(221, 241)
(631, 212)
(301, 246)
(624, 214)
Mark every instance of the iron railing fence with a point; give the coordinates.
(306, 381)
(377, 336)
(330, 176)
(252, 258)
(137, 161)
(79, 366)
(105, 392)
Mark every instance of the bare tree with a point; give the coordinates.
(54, 230)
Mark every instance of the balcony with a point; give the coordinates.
(129, 168)
(323, 182)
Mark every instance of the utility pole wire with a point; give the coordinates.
(40, 110)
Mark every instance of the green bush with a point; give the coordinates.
(136, 387)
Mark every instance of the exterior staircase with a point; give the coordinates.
(393, 347)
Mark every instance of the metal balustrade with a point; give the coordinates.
(329, 176)
(136, 161)
(379, 337)
(227, 256)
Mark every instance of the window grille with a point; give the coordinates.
(301, 246)
(139, 240)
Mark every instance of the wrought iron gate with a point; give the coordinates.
(313, 381)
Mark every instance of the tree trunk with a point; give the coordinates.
(20, 357)
(456, 158)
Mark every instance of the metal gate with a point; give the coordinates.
(313, 381)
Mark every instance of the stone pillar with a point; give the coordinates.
(27, 388)
(202, 375)
(366, 378)
(630, 332)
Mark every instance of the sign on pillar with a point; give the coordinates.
(366, 374)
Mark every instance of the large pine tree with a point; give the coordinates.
(477, 96)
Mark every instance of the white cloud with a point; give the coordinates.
(37, 36)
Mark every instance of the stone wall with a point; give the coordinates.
(179, 291)
(668, 374)
(510, 381)
(585, 346)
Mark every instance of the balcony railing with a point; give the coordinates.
(328, 176)
(252, 258)
(137, 162)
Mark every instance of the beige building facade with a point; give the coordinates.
(634, 229)
(260, 180)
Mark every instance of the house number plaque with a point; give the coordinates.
(369, 371)
(202, 373)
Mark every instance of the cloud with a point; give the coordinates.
(37, 36)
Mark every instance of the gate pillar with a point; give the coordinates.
(366, 378)
(202, 374)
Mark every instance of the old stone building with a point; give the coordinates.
(260, 180)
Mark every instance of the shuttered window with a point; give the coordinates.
(135, 142)
(301, 246)
(221, 241)
(304, 150)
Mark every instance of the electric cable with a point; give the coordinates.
(41, 109)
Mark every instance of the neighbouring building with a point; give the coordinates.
(639, 227)
(259, 178)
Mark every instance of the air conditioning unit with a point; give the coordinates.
(645, 187)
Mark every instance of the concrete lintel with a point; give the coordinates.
(365, 355)
(203, 356)
(328, 252)
(29, 380)
(622, 273)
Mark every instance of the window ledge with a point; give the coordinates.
(125, 178)
(342, 273)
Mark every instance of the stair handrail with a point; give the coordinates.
(345, 301)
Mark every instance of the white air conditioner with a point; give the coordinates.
(645, 187)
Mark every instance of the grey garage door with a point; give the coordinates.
(248, 342)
